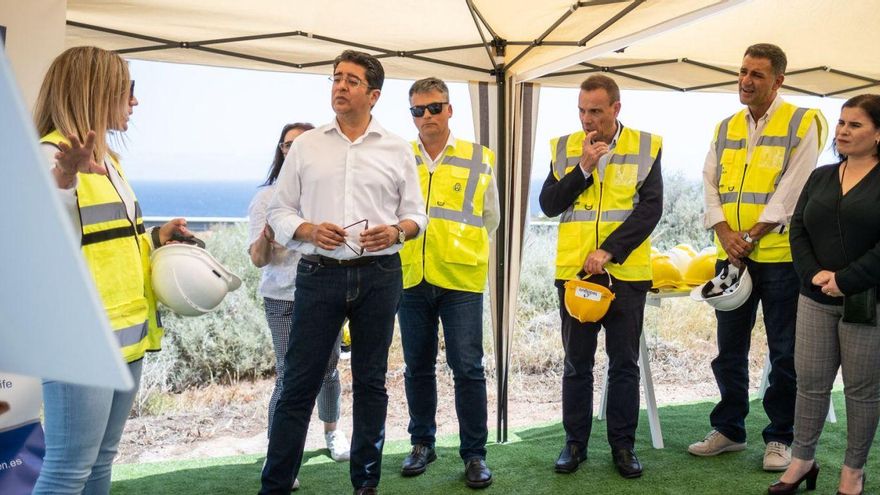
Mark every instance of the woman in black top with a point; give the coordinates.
(835, 243)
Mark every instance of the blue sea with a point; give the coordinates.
(194, 199)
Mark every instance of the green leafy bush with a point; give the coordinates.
(227, 345)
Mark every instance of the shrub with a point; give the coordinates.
(227, 345)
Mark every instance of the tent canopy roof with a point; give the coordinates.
(649, 44)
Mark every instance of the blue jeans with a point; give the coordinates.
(461, 312)
(775, 286)
(368, 295)
(83, 426)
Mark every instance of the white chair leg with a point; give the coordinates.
(831, 417)
(603, 404)
(765, 377)
(650, 399)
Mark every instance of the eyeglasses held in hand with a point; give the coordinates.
(285, 146)
(351, 81)
(434, 108)
(357, 248)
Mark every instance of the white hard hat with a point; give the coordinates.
(729, 289)
(189, 280)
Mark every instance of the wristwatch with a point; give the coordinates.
(401, 235)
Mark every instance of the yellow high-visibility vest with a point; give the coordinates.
(454, 252)
(603, 207)
(117, 253)
(746, 188)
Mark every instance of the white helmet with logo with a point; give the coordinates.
(729, 289)
(189, 280)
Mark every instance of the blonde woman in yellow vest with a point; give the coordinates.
(444, 274)
(86, 95)
(759, 161)
(606, 184)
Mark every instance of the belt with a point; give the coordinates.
(326, 261)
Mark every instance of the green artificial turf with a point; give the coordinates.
(524, 465)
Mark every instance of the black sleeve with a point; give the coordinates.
(805, 263)
(557, 195)
(861, 274)
(641, 222)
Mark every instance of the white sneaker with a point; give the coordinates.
(295, 486)
(777, 456)
(338, 445)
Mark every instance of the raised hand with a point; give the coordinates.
(591, 152)
(78, 157)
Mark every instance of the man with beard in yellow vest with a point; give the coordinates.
(606, 183)
(444, 274)
(757, 165)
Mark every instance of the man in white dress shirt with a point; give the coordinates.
(348, 198)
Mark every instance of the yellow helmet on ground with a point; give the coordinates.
(702, 268)
(587, 302)
(665, 274)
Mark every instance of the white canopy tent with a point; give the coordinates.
(505, 48)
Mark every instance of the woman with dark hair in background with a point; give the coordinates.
(835, 243)
(87, 96)
(278, 264)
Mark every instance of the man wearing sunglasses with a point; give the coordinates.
(350, 172)
(444, 274)
(605, 182)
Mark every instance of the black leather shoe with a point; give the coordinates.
(367, 490)
(477, 474)
(570, 458)
(627, 463)
(418, 459)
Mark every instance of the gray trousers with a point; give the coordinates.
(279, 314)
(823, 344)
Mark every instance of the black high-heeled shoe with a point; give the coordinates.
(864, 477)
(780, 487)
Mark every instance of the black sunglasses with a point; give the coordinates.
(434, 108)
(131, 90)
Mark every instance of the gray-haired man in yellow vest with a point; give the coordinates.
(605, 180)
(757, 165)
(444, 273)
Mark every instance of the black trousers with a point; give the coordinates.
(623, 328)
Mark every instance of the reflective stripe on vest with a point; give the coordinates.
(747, 181)
(602, 207)
(117, 255)
(453, 253)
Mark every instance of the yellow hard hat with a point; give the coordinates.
(681, 256)
(346, 334)
(665, 274)
(702, 268)
(587, 301)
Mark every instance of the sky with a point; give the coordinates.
(218, 124)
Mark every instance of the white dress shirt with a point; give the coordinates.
(491, 206)
(328, 178)
(780, 207)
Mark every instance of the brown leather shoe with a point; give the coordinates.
(367, 490)
(477, 474)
